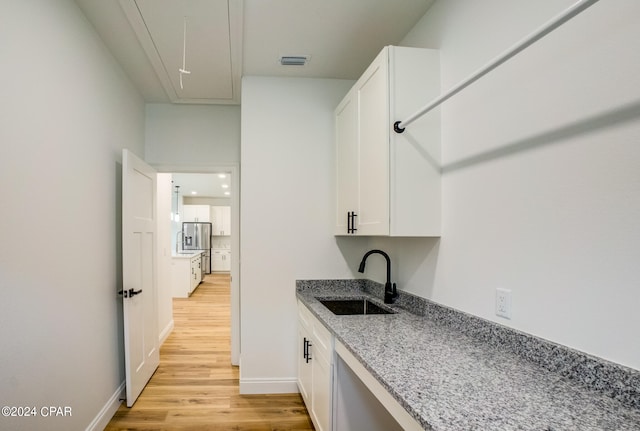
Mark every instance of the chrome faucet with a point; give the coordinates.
(390, 292)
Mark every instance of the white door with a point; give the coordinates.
(139, 273)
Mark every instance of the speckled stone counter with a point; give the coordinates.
(452, 371)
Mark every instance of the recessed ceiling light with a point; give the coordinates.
(225, 186)
(222, 175)
(294, 60)
(194, 192)
(227, 193)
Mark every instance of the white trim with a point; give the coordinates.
(234, 168)
(406, 421)
(235, 18)
(165, 333)
(269, 386)
(103, 417)
(132, 13)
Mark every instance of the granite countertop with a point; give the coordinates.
(449, 380)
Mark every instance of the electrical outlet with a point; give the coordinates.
(503, 303)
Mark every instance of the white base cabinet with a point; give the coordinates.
(186, 274)
(315, 368)
(221, 260)
(388, 184)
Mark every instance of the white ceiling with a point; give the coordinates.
(193, 46)
(205, 185)
(227, 39)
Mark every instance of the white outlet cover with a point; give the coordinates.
(503, 303)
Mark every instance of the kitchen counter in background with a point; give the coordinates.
(452, 371)
(186, 254)
(186, 272)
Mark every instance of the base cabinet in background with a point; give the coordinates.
(186, 274)
(221, 260)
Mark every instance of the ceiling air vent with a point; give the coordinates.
(294, 60)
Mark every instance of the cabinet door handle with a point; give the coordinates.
(306, 353)
(304, 348)
(351, 222)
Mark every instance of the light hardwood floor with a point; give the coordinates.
(195, 387)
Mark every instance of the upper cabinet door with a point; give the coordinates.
(346, 163)
(221, 219)
(373, 148)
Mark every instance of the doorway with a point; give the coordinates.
(213, 190)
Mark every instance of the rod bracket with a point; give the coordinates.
(397, 128)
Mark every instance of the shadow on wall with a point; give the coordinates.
(623, 114)
(620, 115)
(413, 261)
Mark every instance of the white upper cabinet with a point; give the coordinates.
(196, 213)
(388, 184)
(221, 219)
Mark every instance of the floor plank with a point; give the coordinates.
(195, 388)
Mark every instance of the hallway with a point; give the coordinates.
(195, 387)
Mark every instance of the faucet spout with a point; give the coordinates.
(390, 291)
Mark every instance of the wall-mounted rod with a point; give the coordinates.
(538, 34)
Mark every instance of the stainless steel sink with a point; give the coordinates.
(353, 306)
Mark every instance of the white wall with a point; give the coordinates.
(165, 247)
(66, 112)
(188, 200)
(192, 135)
(200, 139)
(541, 173)
(287, 217)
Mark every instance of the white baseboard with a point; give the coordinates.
(269, 386)
(166, 332)
(100, 422)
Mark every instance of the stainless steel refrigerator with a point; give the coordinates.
(197, 236)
